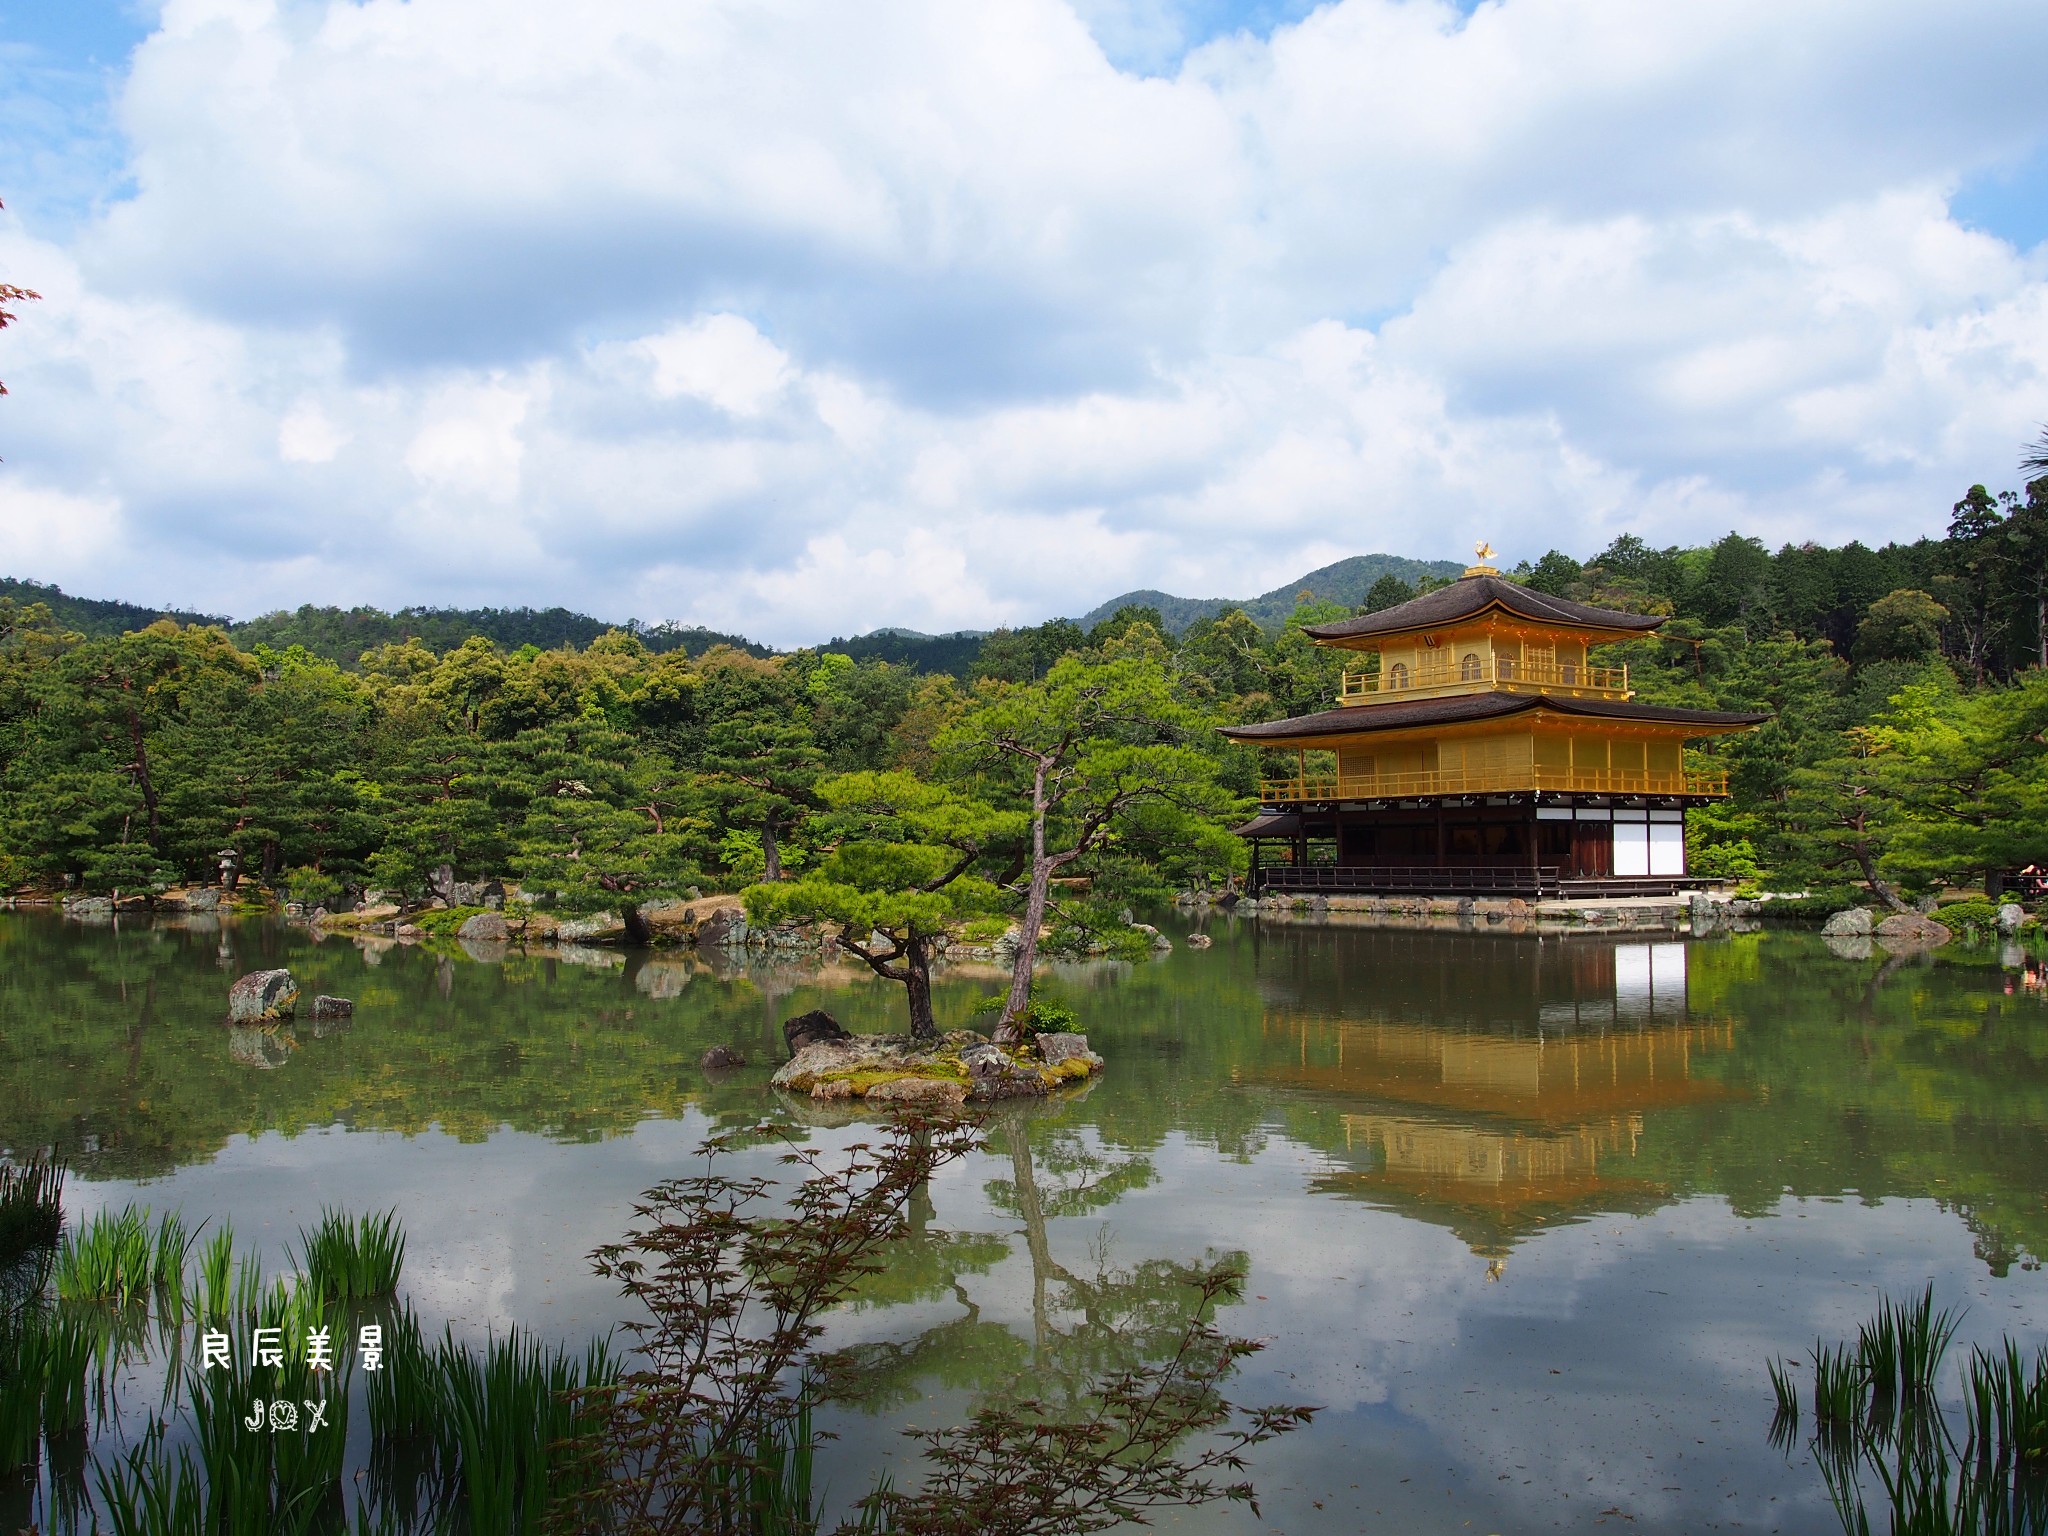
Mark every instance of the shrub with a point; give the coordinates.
(1975, 920)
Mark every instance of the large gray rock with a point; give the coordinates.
(918, 1093)
(333, 1008)
(1055, 1049)
(485, 926)
(2010, 915)
(1854, 923)
(723, 928)
(1199, 941)
(1911, 930)
(262, 995)
(598, 927)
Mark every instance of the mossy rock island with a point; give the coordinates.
(903, 1072)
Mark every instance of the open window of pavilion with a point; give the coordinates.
(1478, 749)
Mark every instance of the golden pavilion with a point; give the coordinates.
(1479, 750)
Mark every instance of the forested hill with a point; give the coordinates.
(96, 618)
(340, 635)
(1347, 582)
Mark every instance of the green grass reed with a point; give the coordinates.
(116, 1258)
(354, 1258)
(214, 1292)
(146, 1492)
(508, 1420)
(31, 1209)
(1881, 1433)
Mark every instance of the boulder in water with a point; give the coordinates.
(1912, 930)
(262, 995)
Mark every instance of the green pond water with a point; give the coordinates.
(1525, 1216)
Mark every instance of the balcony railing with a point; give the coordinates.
(1490, 781)
(1500, 672)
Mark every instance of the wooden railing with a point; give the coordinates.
(1392, 786)
(1403, 879)
(1498, 672)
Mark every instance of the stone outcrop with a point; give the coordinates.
(333, 1008)
(486, 927)
(899, 1072)
(1057, 1050)
(1911, 930)
(2010, 916)
(918, 1093)
(597, 928)
(198, 898)
(724, 928)
(1854, 923)
(262, 995)
(721, 1058)
(1199, 941)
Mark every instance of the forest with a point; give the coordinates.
(1908, 688)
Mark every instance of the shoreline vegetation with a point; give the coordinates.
(312, 1401)
(609, 790)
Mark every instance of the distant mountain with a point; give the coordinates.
(98, 618)
(343, 634)
(1346, 582)
(952, 653)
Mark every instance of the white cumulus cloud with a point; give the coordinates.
(797, 318)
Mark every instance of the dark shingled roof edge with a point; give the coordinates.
(1473, 595)
(1360, 719)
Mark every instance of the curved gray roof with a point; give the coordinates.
(1472, 595)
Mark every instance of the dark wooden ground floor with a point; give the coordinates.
(1471, 845)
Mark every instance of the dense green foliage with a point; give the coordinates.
(1906, 686)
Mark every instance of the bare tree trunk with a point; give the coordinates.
(917, 982)
(1879, 888)
(142, 776)
(771, 852)
(1009, 1027)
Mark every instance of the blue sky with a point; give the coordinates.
(799, 318)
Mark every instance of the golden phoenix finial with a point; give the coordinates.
(1484, 551)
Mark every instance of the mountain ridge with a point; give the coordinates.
(343, 634)
(1344, 581)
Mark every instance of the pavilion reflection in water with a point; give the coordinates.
(1495, 1128)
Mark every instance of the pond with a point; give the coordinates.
(1525, 1214)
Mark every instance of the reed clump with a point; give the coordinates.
(31, 1209)
(1882, 1436)
(119, 1259)
(708, 1427)
(355, 1258)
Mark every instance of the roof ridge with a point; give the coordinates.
(1472, 595)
